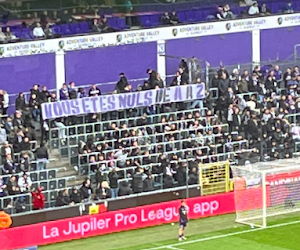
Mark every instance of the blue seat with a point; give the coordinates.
(145, 21)
(84, 26)
(190, 16)
(25, 36)
(74, 28)
(112, 22)
(122, 23)
(181, 16)
(199, 15)
(155, 20)
(65, 29)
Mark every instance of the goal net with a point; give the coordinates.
(266, 189)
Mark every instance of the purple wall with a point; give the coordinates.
(279, 42)
(104, 64)
(18, 74)
(230, 49)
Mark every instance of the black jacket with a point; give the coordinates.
(85, 191)
(20, 103)
(42, 153)
(138, 185)
(113, 179)
(75, 197)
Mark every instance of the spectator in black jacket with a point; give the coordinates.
(20, 204)
(20, 101)
(75, 196)
(63, 199)
(149, 183)
(138, 185)
(42, 156)
(25, 162)
(113, 182)
(9, 166)
(72, 91)
(165, 19)
(44, 95)
(122, 84)
(125, 189)
(34, 105)
(193, 177)
(152, 78)
(86, 189)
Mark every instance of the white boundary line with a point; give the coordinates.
(222, 236)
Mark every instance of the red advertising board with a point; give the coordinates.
(110, 222)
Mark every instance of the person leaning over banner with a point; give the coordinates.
(5, 220)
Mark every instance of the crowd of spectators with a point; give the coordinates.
(259, 121)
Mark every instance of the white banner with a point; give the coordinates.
(149, 35)
(105, 103)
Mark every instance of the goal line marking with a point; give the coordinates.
(222, 236)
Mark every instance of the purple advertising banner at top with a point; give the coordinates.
(105, 103)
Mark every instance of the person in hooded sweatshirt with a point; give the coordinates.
(38, 199)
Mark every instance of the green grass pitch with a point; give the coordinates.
(220, 233)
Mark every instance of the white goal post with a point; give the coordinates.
(266, 189)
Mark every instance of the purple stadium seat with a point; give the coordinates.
(84, 26)
(199, 15)
(25, 36)
(65, 29)
(190, 16)
(56, 29)
(181, 16)
(112, 22)
(145, 21)
(155, 20)
(122, 23)
(74, 27)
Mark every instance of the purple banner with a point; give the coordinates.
(105, 103)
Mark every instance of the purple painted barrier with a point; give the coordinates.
(279, 43)
(19, 74)
(230, 49)
(103, 65)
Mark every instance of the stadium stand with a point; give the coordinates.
(36, 23)
(146, 149)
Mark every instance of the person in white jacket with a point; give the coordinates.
(5, 103)
(24, 183)
(253, 10)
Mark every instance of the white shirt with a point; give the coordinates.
(22, 185)
(253, 10)
(38, 32)
(6, 100)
